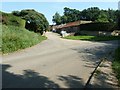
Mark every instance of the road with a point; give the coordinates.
(54, 63)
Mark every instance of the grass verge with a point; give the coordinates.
(116, 64)
(93, 38)
(15, 38)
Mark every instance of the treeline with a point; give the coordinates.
(91, 14)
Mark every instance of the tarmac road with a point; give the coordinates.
(54, 63)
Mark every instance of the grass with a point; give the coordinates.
(9, 19)
(93, 38)
(15, 38)
(116, 64)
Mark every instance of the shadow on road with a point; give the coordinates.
(72, 81)
(92, 56)
(30, 79)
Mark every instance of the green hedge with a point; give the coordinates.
(9, 19)
(99, 26)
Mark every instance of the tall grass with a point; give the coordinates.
(15, 38)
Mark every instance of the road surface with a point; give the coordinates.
(54, 63)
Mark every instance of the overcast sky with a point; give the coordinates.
(49, 8)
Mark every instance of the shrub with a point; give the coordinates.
(9, 19)
(35, 21)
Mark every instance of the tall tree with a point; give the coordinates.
(71, 14)
(63, 19)
(102, 17)
(90, 13)
(57, 18)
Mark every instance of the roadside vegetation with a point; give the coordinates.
(35, 21)
(116, 64)
(9, 19)
(16, 35)
(15, 38)
(93, 38)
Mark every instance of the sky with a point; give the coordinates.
(50, 8)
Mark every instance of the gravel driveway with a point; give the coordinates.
(55, 63)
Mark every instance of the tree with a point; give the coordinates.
(111, 15)
(63, 19)
(102, 17)
(117, 13)
(90, 13)
(35, 21)
(57, 18)
(16, 13)
(71, 14)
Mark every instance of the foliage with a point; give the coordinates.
(9, 19)
(16, 13)
(15, 38)
(117, 14)
(71, 14)
(63, 19)
(35, 21)
(116, 64)
(102, 18)
(93, 38)
(57, 18)
(89, 14)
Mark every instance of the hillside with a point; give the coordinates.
(9, 19)
(15, 36)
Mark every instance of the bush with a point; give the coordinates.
(98, 26)
(9, 19)
(35, 21)
(15, 38)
